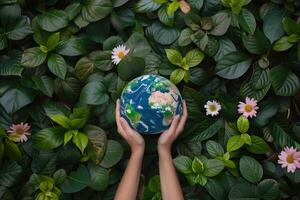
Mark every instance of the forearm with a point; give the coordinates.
(129, 184)
(170, 185)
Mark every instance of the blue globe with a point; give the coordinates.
(149, 102)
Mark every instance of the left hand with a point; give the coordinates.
(133, 138)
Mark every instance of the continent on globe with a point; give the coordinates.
(149, 103)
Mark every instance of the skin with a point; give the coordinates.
(170, 186)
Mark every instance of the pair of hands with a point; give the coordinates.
(136, 141)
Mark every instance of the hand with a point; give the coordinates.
(167, 138)
(133, 138)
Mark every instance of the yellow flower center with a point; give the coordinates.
(213, 108)
(248, 108)
(121, 54)
(20, 131)
(290, 158)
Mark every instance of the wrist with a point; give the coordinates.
(164, 151)
(137, 153)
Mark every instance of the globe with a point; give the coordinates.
(149, 102)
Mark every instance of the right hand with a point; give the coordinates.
(133, 138)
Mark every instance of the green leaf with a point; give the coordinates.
(80, 140)
(53, 20)
(10, 171)
(97, 145)
(68, 136)
(235, 142)
(256, 43)
(284, 81)
(243, 124)
(185, 37)
(272, 23)
(183, 164)
(99, 177)
(10, 64)
(145, 6)
(226, 46)
(94, 10)
(213, 167)
(246, 138)
(138, 45)
(16, 98)
(194, 57)
(247, 21)
(76, 180)
(206, 131)
(281, 138)
(162, 34)
(282, 44)
(130, 67)
(243, 191)
(33, 57)
(48, 138)
(174, 56)
(94, 93)
(233, 65)
(172, 7)
(250, 169)
(44, 84)
(177, 75)
(74, 46)
(61, 120)
(12, 150)
(221, 23)
(268, 189)
(164, 17)
(57, 65)
(53, 41)
(214, 149)
(20, 29)
(113, 154)
(197, 166)
(290, 26)
(267, 110)
(154, 184)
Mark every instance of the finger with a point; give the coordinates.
(183, 119)
(125, 126)
(117, 115)
(174, 125)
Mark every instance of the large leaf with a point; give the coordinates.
(205, 131)
(213, 167)
(10, 64)
(33, 57)
(256, 43)
(146, 6)
(44, 84)
(247, 21)
(53, 20)
(76, 180)
(74, 46)
(243, 191)
(284, 81)
(113, 154)
(57, 65)
(19, 29)
(183, 164)
(221, 23)
(99, 177)
(48, 138)
(268, 189)
(9, 173)
(250, 169)
(94, 10)
(233, 65)
(273, 27)
(162, 34)
(97, 144)
(16, 98)
(93, 93)
(130, 67)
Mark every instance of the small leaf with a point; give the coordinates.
(57, 65)
(183, 164)
(243, 124)
(213, 167)
(250, 169)
(80, 140)
(197, 166)
(33, 57)
(194, 57)
(177, 75)
(174, 56)
(247, 21)
(68, 136)
(235, 142)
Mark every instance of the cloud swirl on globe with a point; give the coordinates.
(149, 102)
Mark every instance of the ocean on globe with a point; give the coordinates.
(149, 102)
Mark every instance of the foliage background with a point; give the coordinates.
(57, 75)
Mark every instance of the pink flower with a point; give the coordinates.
(289, 158)
(19, 132)
(249, 108)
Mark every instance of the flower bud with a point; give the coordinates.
(184, 7)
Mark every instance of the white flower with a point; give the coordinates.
(212, 108)
(118, 53)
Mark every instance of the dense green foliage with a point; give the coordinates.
(57, 75)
